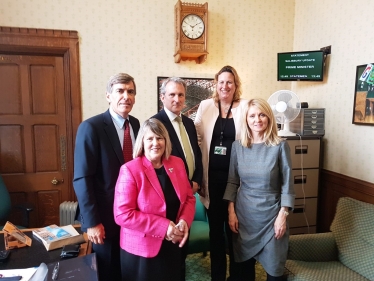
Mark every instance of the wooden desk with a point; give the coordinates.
(34, 255)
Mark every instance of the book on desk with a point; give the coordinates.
(54, 237)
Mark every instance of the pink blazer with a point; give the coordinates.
(140, 207)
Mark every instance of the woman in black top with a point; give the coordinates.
(218, 126)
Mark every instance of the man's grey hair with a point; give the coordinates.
(177, 80)
(119, 78)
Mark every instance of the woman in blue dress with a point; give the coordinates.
(260, 193)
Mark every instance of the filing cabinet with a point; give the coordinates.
(305, 157)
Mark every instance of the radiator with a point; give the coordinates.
(67, 213)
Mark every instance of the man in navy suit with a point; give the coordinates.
(173, 97)
(97, 160)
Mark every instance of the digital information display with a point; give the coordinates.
(296, 66)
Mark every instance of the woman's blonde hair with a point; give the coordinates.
(237, 81)
(270, 135)
(156, 127)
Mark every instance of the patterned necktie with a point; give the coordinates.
(127, 143)
(186, 147)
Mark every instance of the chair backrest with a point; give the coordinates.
(200, 214)
(353, 229)
(5, 204)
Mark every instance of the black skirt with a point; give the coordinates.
(166, 266)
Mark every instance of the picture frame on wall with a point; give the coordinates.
(198, 89)
(363, 106)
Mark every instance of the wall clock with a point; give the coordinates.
(191, 30)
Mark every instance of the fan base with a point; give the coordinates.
(284, 133)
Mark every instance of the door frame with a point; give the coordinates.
(64, 43)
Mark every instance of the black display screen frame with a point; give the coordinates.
(301, 66)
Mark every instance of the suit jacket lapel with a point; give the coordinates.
(173, 135)
(152, 177)
(134, 125)
(112, 134)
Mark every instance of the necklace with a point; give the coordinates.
(226, 109)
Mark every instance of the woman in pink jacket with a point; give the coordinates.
(154, 206)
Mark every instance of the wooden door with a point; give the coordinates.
(39, 115)
(33, 129)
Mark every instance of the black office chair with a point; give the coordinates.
(6, 207)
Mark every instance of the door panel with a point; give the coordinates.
(42, 79)
(10, 99)
(11, 139)
(32, 127)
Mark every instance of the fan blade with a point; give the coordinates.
(290, 113)
(275, 112)
(285, 96)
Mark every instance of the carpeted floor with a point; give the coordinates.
(198, 268)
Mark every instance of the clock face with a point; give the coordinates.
(193, 26)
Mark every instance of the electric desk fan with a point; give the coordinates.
(286, 107)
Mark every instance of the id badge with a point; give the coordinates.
(220, 150)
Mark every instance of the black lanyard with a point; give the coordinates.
(220, 119)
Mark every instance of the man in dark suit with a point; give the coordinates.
(184, 146)
(99, 154)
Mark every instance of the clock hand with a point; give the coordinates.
(195, 25)
(189, 24)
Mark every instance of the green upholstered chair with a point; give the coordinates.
(345, 253)
(6, 207)
(199, 232)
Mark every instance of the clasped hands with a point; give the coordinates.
(177, 233)
(96, 234)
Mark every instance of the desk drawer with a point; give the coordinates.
(312, 120)
(305, 153)
(314, 111)
(307, 179)
(317, 126)
(314, 132)
(309, 210)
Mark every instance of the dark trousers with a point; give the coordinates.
(247, 272)
(108, 259)
(218, 224)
